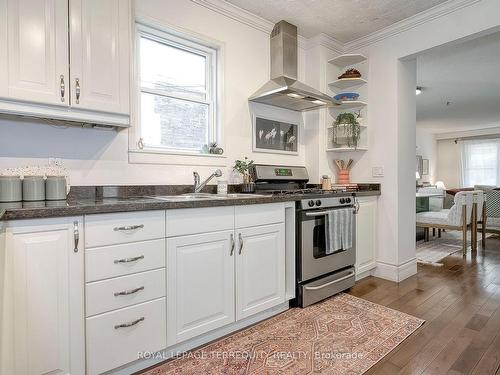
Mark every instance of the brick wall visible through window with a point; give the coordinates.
(177, 80)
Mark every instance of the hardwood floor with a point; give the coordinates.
(461, 305)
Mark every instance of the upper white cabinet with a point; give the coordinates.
(34, 51)
(41, 39)
(366, 235)
(42, 305)
(260, 269)
(99, 55)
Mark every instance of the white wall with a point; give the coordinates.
(427, 147)
(392, 141)
(448, 167)
(97, 157)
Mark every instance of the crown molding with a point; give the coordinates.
(409, 23)
(241, 15)
(484, 132)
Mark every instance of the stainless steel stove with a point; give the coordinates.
(319, 272)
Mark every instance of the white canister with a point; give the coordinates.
(11, 189)
(33, 189)
(55, 188)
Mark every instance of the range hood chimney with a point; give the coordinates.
(284, 90)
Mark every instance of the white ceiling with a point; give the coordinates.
(344, 20)
(468, 76)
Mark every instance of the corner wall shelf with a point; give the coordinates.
(349, 104)
(347, 60)
(345, 83)
(346, 149)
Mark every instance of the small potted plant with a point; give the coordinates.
(243, 167)
(348, 124)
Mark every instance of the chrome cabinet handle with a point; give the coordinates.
(129, 260)
(232, 245)
(77, 90)
(128, 292)
(241, 243)
(62, 87)
(76, 236)
(356, 207)
(125, 325)
(129, 227)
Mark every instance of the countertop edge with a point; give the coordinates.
(80, 209)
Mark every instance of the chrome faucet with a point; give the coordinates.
(198, 186)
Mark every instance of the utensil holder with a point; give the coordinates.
(344, 176)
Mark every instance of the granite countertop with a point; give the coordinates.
(80, 202)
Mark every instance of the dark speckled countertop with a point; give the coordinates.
(97, 200)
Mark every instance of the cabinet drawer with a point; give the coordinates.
(119, 260)
(259, 214)
(199, 220)
(120, 292)
(123, 227)
(110, 346)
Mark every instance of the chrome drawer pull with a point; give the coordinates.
(62, 87)
(129, 260)
(125, 325)
(127, 292)
(77, 90)
(351, 274)
(241, 243)
(76, 236)
(129, 227)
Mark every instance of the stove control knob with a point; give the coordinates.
(342, 200)
(318, 203)
(348, 200)
(310, 203)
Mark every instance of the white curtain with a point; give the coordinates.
(480, 162)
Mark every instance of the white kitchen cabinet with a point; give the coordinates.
(34, 51)
(41, 39)
(366, 235)
(43, 300)
(99, 55)
(260, 269)
(200, 284)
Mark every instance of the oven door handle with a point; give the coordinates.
(351, 274)
(319, 213)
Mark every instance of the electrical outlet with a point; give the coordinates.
(378, 172)
(55, 162)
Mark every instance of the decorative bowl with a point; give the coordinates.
(346, 96)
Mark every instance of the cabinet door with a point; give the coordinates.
(46, 306)
(366, 235)
(200, 284)
(34, 51)
(260, 269)
(100, 55)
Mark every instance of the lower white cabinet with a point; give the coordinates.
(260, 269)
(366, 235)
(217, 278)
(42, 302)
(200, 286)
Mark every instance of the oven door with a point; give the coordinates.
(314, 261)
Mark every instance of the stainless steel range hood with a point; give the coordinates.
(284, 90)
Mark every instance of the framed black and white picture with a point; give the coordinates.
(275, 136)
(425, 167)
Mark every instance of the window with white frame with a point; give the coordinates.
(177, 79)
(480, 162)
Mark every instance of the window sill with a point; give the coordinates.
(175, 158)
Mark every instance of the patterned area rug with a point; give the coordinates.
(437, 249)
(341, 335)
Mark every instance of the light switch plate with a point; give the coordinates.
(378, 172)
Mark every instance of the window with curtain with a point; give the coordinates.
(480, 162)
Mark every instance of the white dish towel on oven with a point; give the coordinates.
(338, 230)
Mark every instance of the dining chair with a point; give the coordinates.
(458, 217)
(480, 198)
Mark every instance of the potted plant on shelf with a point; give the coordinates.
(347, 125)
(243, 167)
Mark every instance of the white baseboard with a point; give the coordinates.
(197, 341)
(396, 273)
